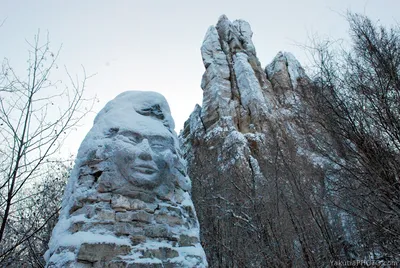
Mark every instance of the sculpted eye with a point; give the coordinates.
(133, 140)
(160, 144)
(131, 137)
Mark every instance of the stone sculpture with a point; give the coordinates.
(128, 203)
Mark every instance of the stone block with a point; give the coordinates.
(158, 231)
(145, 265)
(105, 197)
(86, 180)
(169, 219)
(88, 211)
(76, 227)
(126, 228)
(129, 264)
(136, 204)
(161, 253)
(129, 216)
(120, 203)
(187, 241)
(75, 206)
(123, 216)
(137, 239)
(142, 216)
(105, 215)
(101, 251)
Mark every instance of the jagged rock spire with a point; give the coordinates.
(234, 83)
(255, 174)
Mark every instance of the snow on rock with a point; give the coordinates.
(239, 142)
(245, 31)
(294, 68)
(249, 87)
(286, 69)
(234, 84)
(223, 137)
(289, 82)
(128, 198)
(216, 79)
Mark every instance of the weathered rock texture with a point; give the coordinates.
(258, 184)
(127, 203)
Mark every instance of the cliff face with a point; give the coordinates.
(259, 184)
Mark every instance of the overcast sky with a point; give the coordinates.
(155, 45)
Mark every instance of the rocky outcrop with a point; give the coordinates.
(127, 202)
(258, 181)
(234, 83)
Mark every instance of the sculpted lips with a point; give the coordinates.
(146, 168)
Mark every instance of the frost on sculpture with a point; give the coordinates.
(127, 202)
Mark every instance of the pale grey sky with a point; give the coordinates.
(155, 45)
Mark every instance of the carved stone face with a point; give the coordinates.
(143, 160)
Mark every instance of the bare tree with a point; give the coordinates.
(36, 215)
(356, 99)
(36, 115)
(330, 187)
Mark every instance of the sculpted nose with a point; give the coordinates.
(145, 150)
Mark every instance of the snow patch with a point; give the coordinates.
(78, 238)
(286, 61)
(294, 68)
(316, 159)
(248, 84)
